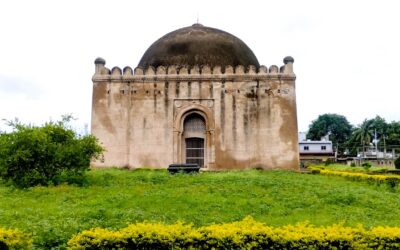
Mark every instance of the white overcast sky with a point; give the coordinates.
(347, 53)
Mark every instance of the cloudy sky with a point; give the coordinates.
(347, 53)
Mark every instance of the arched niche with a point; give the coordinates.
(186, 118)
(193, 139)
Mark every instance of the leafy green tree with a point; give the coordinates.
(337, 126)
(379, 125)
(50, 154)
(362, 135)
(387, 134)
(392, 136)
(397, 163)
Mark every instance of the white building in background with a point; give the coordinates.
(373, 155)
(315, 152)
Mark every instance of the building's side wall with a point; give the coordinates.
(254, 116)
(109, 122)
(315, 147)
(150, 140)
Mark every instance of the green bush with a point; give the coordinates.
(329, 162)
(397, 163)
(315, 171)
(50, 154)
(366, 166)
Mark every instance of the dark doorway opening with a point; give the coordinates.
(195, 151)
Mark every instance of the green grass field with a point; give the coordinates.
(358, 169)
(113, 198)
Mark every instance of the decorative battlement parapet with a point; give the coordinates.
(194, 73)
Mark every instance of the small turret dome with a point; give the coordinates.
(100, 60)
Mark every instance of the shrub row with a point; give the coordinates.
(14, 239)
(392, 180)
(245, 234)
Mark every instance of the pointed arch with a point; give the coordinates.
(179, 143)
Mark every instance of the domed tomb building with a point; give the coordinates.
(198, 95)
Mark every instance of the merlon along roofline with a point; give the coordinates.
(195, 72)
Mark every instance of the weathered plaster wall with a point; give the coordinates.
(253, 115)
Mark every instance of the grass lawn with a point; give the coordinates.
(358, 169)
(113, 198)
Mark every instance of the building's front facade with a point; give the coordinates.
(315, 152)
(199, 96)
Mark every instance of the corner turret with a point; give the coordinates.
(99, 62)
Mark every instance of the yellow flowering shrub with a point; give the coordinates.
(245, 234)
(383, 238)
(140, 235)
(14, 239)
(392, 180)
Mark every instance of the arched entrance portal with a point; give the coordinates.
(194, 135)
(193, 140)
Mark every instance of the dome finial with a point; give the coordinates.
(197, 25)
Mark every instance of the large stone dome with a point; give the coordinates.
(198, 45)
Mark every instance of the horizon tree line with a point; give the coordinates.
(348, 139)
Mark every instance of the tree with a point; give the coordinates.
(392, 136)
(388, 135)
(379, 125)
(334, 125)
(32, 155)
(363, 133)
(397, 163)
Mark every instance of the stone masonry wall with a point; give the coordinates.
(254, 115)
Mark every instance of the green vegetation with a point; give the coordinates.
(350, 140)
(379, 178)
(337, 126)
(113, 198)
(397, 163)
(387, 134)
(14, 239)
(245, 234)
(354, 168)
(50, 154)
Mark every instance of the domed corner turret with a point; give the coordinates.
(288, 67)
(288, 59)
(99, 62)
(198, 45)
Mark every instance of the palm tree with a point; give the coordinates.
(363, 134)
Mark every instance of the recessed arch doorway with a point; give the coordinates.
(194, 135)
(193, 140)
